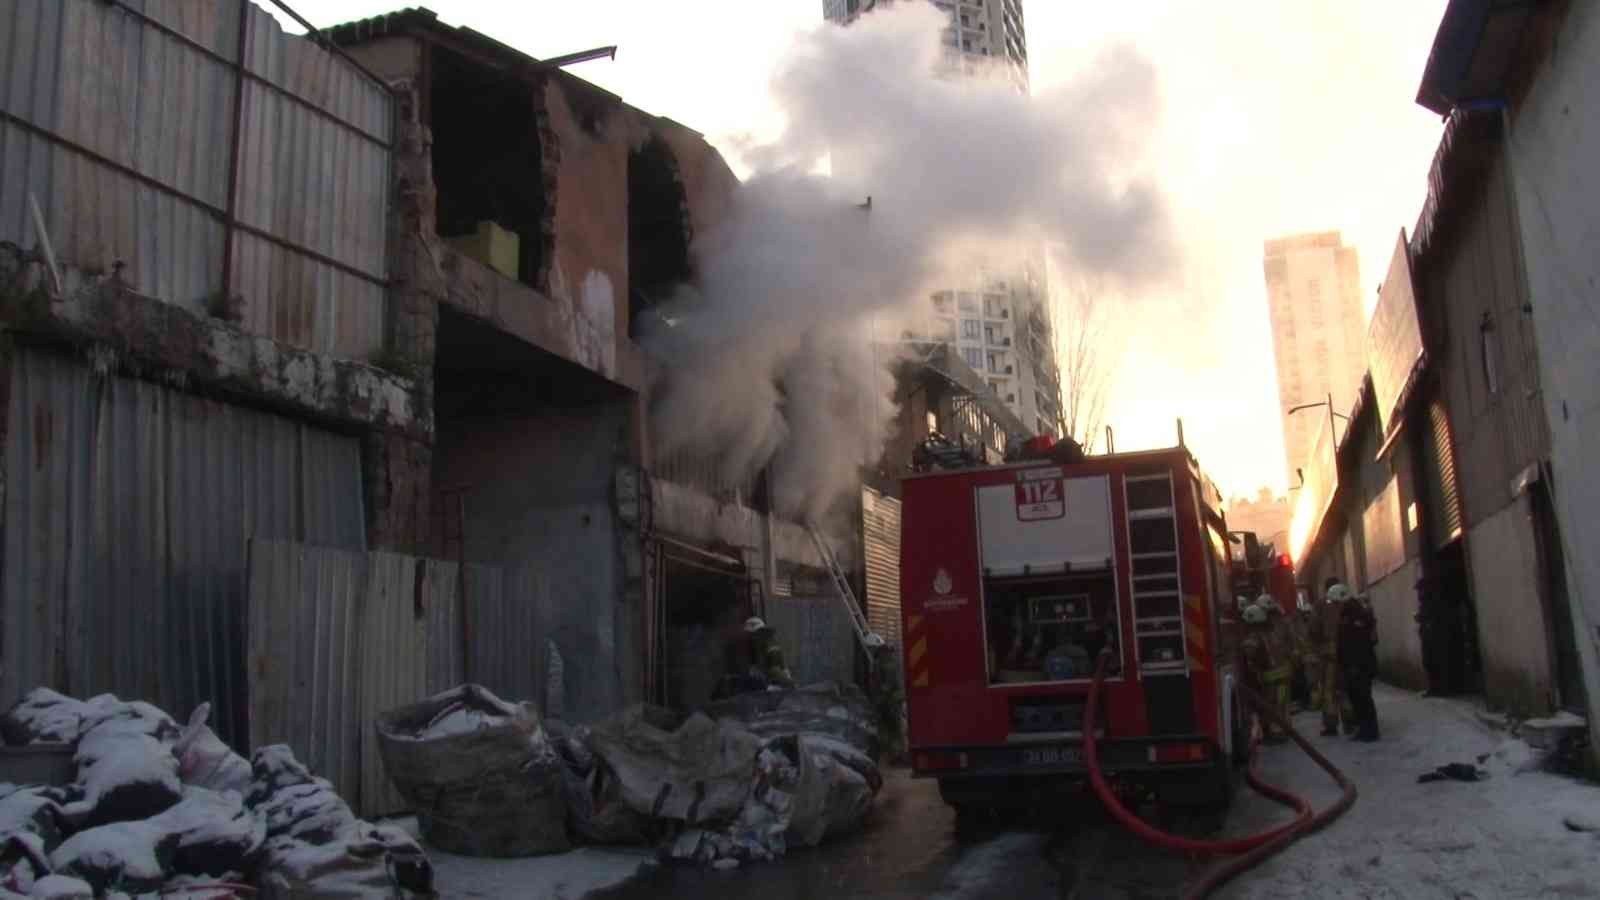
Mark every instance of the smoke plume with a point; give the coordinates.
(775, 354)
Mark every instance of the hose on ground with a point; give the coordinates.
(1226, 871)
(1251, 850)
(1162, 839)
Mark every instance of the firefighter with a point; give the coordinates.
(766, 657)
(1255, 659)
(1311, 662)
(1335, 703)
(1279, 678)
(1358, 660)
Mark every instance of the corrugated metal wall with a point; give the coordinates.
(337, 637)
(881, 532)
(127, 512)
(817, 638)
(1488, 365)
(157, 109)
(509, 614)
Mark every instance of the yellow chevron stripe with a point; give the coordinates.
(921, 681)
(918, 650)
(913, 622)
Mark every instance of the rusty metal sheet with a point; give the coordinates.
(125, 135)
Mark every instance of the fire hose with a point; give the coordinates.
(1249, 851)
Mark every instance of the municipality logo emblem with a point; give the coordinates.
(941, 582)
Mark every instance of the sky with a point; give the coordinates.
(1277, 118)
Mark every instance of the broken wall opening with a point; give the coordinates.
(659, 230)
(703, 600)
(490, 164)
(526, 454)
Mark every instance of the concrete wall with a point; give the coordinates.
(1394, 603)
(1512, 632)
(1554, 139)
(539, 494)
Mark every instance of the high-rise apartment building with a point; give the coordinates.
(998, 322)
(1318, 326)
(980, 32)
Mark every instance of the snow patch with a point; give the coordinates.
(61, 887)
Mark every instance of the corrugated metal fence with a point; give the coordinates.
(337, 637)
(128, 508)
(880, 528)
(817, 638)
(146, 140)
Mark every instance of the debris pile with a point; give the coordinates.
(155, 808)
(739, 782)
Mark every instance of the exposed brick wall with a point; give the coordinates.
(398, 476)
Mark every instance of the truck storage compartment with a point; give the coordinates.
(1049, 628)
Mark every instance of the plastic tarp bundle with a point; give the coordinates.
(152, 808)
(480, 773)
(771, 770)
(694, 770)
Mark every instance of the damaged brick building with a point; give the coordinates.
(373, 293)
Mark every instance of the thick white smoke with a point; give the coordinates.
(772, 359)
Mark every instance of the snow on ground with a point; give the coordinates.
(993, 863)
(1500, 838)
(559, 876)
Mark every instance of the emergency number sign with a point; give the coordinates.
(1042, 498)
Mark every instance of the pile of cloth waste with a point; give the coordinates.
(150, 807)
(739, 781)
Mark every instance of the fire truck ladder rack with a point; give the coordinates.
(858, 619)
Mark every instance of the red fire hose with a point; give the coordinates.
(1253, 849)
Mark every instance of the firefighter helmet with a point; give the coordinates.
(1268, 603)
(1255, 615)
(1338, 594)
(754, 624)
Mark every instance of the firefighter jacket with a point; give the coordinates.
(769, 664)
(1358, 638)
(1255, 656)
(1324, 628)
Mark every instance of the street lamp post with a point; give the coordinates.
(1333, 432)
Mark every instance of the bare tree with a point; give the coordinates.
(1080, 328)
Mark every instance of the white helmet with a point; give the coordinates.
(1267, 602)
(754, 624)
(875, 640)
(1338, 593)
(1254, 615)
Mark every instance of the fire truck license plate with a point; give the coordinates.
(1052, 756)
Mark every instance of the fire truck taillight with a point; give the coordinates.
(1177, 753)
(934, 762)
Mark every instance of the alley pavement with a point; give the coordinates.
(1506, 836)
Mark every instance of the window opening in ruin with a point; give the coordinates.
(488, 167)
(658, 229)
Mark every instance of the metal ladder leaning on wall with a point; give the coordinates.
(858, 618)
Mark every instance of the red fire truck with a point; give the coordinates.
(1015, 577)
(1258, 570)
